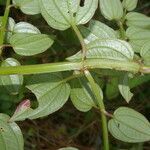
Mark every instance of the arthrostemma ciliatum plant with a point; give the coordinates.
(122, 52)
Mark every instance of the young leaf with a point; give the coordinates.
(129, 126)
(28, 44)
(23, 110)
(137, 37)
(12, 83)
(10, 135)
(29, 7)
(145, 53)
(61, 14)
(129, 4)
(138, 20)
(81, 95)
(24, 27)
(107, 49)
(51, 92)
(111, 9)
(124, 88)
(97, 30)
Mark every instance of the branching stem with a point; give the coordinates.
(69, 66)
(101, 107)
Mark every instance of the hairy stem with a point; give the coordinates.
(68, 66)
(102, 108)
(122, 31)
(4, 24)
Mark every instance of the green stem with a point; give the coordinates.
(105, 131)
(96, 92)
(4, 24)
(112, 64)
(121, 26)
(41, 68)
(122, 31)
(68, 66)
(79, 35)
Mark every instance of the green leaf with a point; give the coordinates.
(137, 37)
(145, 53)
(129, 4)
(111, 9)
(29, 7)
(107, 49)
(112, 88)
(81, 95)
(24, 27)
(12, 83)
(51, 92)
(97, 30)
(10, 135)
(108, 72)
(138, 80)
(10, 27)
(27, 44)
(124, 88)
(68, 148)
(129, 126)
(137, 20)
(61, 14)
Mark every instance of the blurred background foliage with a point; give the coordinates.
(69, 127)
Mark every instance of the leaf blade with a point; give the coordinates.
(137, 20)
(12, 83)
(109, 11)
(81, 95)
(112, 49)
(10, 135)
(145, 53)
(124, 88)
(29, 7)
(28, 44)
(129, 5)
(129, 126)
(137, 37)
(24, 27)
(97, 30)
(52, 93)
(62, 14)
